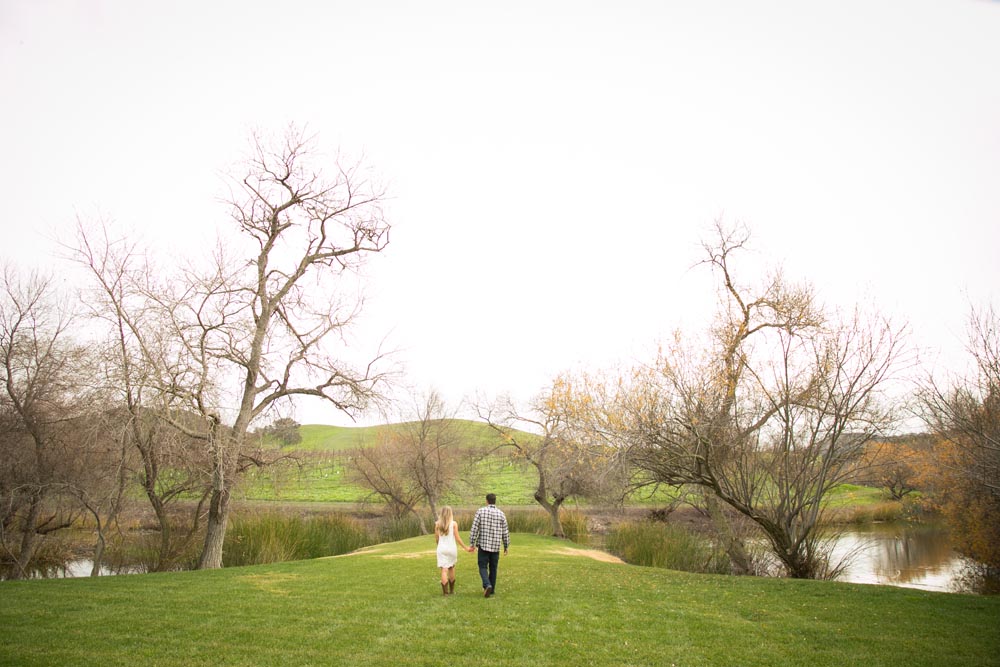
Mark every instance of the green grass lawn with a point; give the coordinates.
(383, 606)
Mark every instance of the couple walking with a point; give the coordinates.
(489, 534)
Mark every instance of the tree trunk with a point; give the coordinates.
(95, 569)
(215, 532)
(557, 529)
(163, 520)
(29, 539)
(218, 509)
(553, 510)
(799, 565)
(733, 545)
(434, 511)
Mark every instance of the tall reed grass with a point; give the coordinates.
(275, 538)
(655, 544)
(886, 511)
(538, 522)
(142, 554)
(402, 528)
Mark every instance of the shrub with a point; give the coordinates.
(51, 559)
(141, 553)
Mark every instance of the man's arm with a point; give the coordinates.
(474, 531)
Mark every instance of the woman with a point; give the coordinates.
(447, 537)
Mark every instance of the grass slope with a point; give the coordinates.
(320, 474)
(383, 606)
(320, 437)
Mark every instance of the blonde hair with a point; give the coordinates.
(443, 524)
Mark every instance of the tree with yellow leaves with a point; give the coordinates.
(546, 435)
(964, 415)
(897, 464)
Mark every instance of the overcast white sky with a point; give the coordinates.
(552, 165)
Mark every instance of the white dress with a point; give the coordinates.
(447, 550)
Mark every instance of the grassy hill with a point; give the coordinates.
(319, 437)
(320, 472)
(322, 438)
(555, 605)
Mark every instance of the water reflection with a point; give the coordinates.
(900, 555)
(71, 569)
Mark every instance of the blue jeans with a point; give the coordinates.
(488, 562)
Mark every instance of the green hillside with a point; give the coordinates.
(318, 469)
(556, 604)
(319, 472)
(319, 437)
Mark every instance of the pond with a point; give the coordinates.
(913, 556)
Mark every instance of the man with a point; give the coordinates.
(489, 533)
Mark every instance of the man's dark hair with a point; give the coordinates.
(491, 498)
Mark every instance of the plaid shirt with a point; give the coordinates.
(489, 529)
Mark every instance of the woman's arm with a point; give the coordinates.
(458, 538)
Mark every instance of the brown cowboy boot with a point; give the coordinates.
(444, 589)
(451, 586)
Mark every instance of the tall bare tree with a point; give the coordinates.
(774, 414)
(225, 344)
(260, 327)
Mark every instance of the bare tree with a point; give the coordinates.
(259, 329)
(416, 461)
(140, 408)
(42, 374)
(435, 440)
(225, 345)
(382, 469)
(104, 468)
(773, 415)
